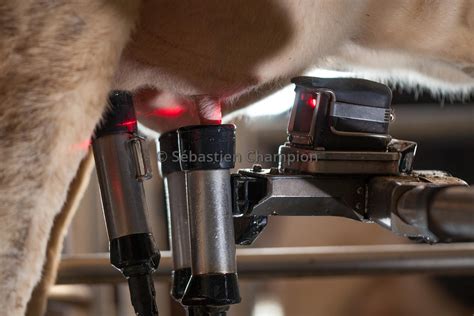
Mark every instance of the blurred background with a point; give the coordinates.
(444, 130)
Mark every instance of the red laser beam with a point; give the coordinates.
(170, 112)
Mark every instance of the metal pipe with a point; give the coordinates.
(256, 263)
(452, 213)
(79, 295)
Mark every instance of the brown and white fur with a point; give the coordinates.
(58, 59)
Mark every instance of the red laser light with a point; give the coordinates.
(312, 102)
(82, 146)
(130, 124)
(175, 111)
(310, 99)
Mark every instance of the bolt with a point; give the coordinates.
(358, 206)
(257, 168)
(360, 190)
(274, 171)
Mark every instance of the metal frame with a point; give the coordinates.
(257, 263)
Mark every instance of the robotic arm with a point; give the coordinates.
(339, 160)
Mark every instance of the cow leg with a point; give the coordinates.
(37, 304)
(56, 62)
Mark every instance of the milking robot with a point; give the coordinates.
(339, 160)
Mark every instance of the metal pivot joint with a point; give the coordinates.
(206, 155)
(122, 164)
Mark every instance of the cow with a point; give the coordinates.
(59, 59)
